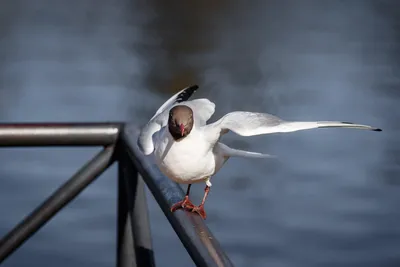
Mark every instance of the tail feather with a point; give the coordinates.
(231, 152)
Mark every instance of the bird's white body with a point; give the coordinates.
(200, 155)
(190, 160)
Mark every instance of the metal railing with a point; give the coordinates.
(134, 246)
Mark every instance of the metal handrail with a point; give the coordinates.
(59, 134)
(134, 246)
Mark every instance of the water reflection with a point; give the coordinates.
(331, 198)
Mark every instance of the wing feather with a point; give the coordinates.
(202, 108)
(251, 123)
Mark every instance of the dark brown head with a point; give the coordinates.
(180, 121)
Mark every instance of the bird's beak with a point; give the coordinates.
(182, 127)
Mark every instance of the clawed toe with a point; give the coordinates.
(200, 210)
(185, 204)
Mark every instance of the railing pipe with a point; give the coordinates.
(59, 134)
(126, 254)
(61, 197)
(134, 246)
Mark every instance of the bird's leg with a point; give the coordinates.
(200, 209)
(185, 203)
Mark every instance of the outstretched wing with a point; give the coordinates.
(250, 123)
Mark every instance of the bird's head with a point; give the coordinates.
(180, 121)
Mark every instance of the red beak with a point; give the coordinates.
(182, 129)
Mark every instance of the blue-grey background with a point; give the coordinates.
(331, 199)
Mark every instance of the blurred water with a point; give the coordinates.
(331, 199)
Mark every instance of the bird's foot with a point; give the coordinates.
(185, 204)
(200, 210)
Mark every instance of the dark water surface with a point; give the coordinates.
(332, 197)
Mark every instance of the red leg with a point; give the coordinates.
(200, 209)
(185, 203)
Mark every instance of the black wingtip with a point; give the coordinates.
(187, 93)
(373, 129)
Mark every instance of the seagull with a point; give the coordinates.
(188, 150)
